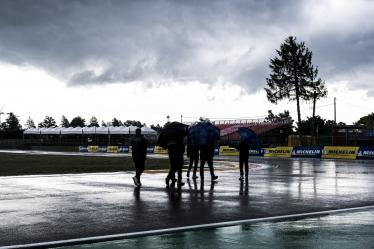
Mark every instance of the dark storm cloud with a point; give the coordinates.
(96, 42)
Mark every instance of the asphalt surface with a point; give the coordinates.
(339, 231)
(56, 207)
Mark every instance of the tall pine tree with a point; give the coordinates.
(290, 74)
(64, 122)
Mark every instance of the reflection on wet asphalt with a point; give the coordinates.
(55, 207)
(348, 230)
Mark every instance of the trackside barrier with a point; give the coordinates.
(160, 150)
(228, 151)
(102, 149)
(83, 148)
(340, 152)
(93, 148)
(150, 150)
(112, 149)
(123, 149)
(326, 152)
(307, 152)
(278, 152)
(365, 153)
(259, 152)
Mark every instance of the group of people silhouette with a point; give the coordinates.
(195, 153)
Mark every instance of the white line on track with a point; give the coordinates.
(89, 240)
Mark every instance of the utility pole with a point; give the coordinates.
(335, 110)
(181, 118)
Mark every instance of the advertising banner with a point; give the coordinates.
(112, 149)
(123, 149)
(278, 152)
(150, 150)
(83, 149)
(160, 150)
(310, 151)
(228, 151)
(216, 151)
(102, 149)
(259, 152)
(93, 148)
(365, 153)
(340, 152)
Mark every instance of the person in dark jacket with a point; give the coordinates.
(139, 151)
(193, 154)
(176, 151)
(206, 155)
(243, 148)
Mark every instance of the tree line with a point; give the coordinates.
(12, 123)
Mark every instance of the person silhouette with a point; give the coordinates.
(193, 154)
(139, 153)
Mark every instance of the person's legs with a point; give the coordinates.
(210, 155)
(211, 169)
(190, 164)
(173, 165)
(196, 161)
(139, 168)
(202, 163)
(241, 162)
(246, 167)
(180, 166)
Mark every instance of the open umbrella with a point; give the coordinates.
(203, 133)
(248, 136)
(172, 132)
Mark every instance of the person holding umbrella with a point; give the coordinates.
(246, 136)
(171, 138)
(139, 152)
(193, 154)
(204, 135)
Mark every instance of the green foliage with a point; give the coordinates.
(322, 126)
(93, 122)
(133, 123)
(116, 122)
(293, 76)
(64, 122)
(11, 123)
(282, 116)
(48, 122)
(30, 123)
(290, 72)
(78, 122)
(317, 86)
(367, 120)
(157, 128)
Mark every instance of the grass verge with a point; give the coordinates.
(23, 164)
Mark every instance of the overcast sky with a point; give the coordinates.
(145, 60)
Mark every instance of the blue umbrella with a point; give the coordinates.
(247, 135)
(203, 133)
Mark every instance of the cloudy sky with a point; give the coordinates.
(145, 60)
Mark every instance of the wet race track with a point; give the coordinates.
(59, 207)
(341, 231)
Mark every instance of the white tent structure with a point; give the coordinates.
(90, 130)
(74, 136)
